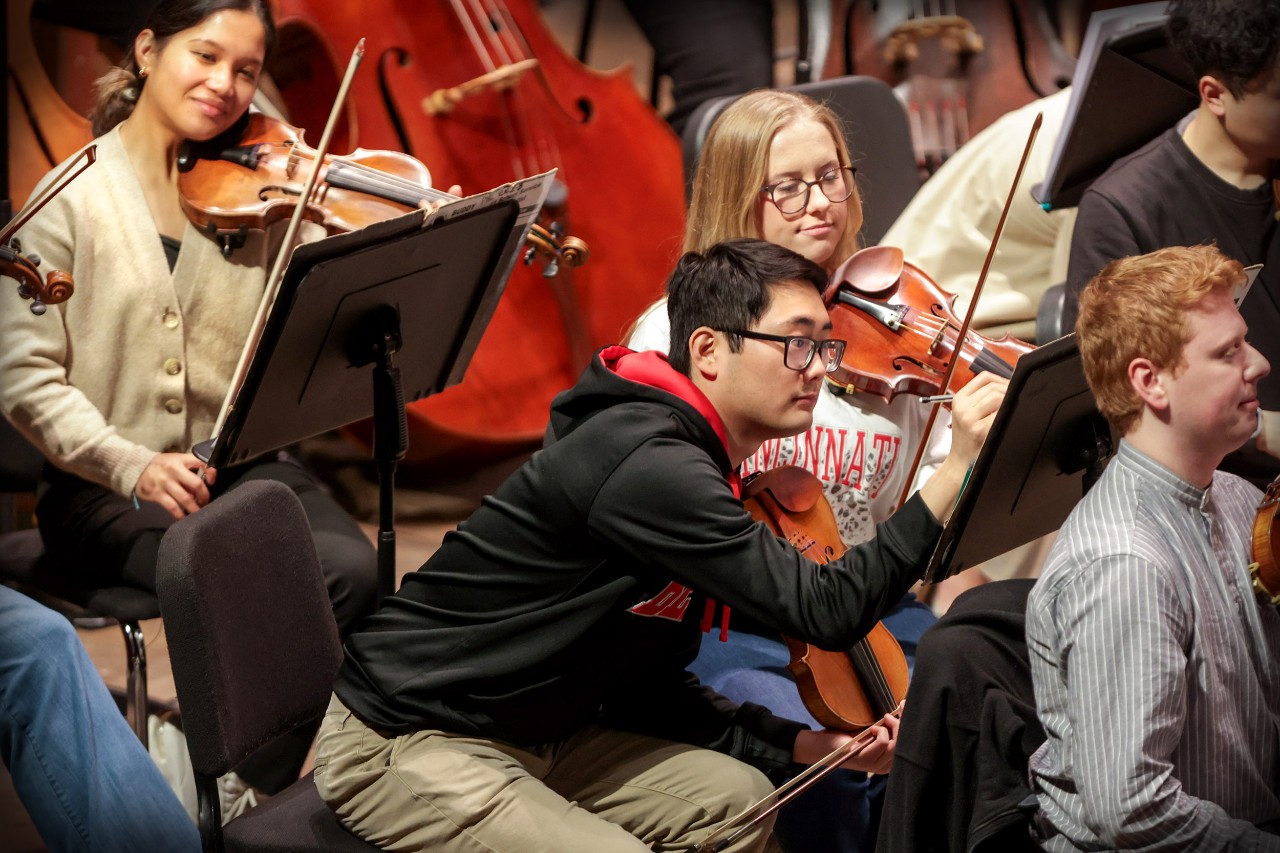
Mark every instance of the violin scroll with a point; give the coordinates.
(554, 248)
(42, 291)
(58, 285)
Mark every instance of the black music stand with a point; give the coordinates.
(1047, 446)
(364, 322)
(1129, 87)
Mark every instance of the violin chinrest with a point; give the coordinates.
(872, 270)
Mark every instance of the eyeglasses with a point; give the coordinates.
(799, 350)
(792, 195)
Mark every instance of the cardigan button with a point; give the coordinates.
(170, 320)
(172, 366)
(173, 407)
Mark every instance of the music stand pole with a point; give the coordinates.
(390, 437)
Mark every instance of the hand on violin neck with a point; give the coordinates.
(432, 205)
(876, 757)
(972, 412)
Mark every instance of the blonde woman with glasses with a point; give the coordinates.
(775, 166)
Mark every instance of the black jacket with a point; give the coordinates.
(573, 594)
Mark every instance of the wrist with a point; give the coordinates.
(943, 489)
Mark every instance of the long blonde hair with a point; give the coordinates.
(734, 163)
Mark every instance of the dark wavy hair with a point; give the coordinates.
(1234, 40)
(119, 88)
(727, 287)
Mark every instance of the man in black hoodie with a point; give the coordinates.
(525, 690)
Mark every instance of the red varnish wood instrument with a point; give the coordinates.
(481, 93)
(230, 187)
(903, 330)
(1264, 571)
(44, 129)
(847, 690)
(843, 690)
(958, 65)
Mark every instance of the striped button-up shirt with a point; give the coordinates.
(1157, 671)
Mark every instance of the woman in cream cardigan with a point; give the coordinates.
(117, 384)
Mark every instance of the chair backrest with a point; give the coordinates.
(251, 635)
(875, 128)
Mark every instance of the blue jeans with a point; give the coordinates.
(81, 773)
(835, 814)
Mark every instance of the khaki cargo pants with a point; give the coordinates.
(596, 792)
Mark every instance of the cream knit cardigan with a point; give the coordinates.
(138, 360)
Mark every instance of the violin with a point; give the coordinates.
(1264, 571)
(903, 330)
(847, 690)
(252, 178)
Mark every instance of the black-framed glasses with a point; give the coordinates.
(792, 195)
(799, 350)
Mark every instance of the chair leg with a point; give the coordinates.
(209, 817)
(136, 688)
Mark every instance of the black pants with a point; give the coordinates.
(109, 542)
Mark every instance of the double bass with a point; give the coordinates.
(959, 64)
(487, 98)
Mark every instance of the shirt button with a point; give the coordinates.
(170, 319)
(173, 407)
(172, 366)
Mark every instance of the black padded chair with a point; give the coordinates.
(876, 130)
(27, 567)
(255, 651)
(1050, 320)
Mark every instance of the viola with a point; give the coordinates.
(1265, 568)
(254, 178)
(903, 331)
(848, 690)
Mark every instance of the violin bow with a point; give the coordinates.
(968, 314)
(68, 174)
(290, 239)
(732, 829)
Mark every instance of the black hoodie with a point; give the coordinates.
(572, 595)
